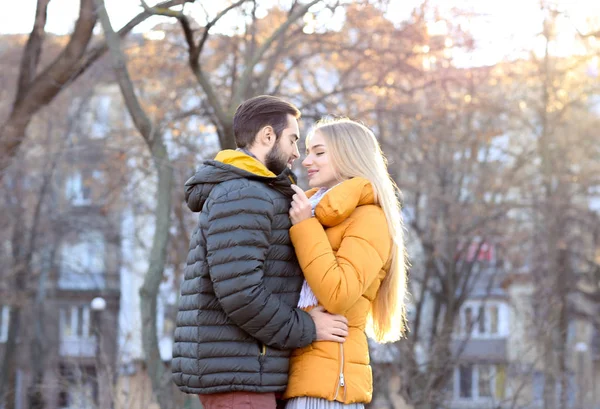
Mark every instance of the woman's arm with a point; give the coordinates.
(339, 280)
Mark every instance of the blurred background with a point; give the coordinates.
(487, 111)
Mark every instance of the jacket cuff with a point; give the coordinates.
(311, 330)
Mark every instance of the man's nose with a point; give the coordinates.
(296, 152)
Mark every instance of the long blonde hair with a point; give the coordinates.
(355, 152)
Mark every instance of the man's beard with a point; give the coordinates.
(276, 161)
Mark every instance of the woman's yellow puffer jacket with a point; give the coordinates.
(344, 252)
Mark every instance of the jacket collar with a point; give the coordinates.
(341, 200)
(243, 161)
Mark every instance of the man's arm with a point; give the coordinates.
(237, 242)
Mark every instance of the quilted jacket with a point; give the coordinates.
(344, 252)
(237, 322)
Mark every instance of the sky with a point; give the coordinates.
(505, 26)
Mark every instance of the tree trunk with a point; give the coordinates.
(159, 374)
(563, 326)
(38, 350)
(18, 288)
(8, 373)
(226, 137)
(8, 368)
(12, 133)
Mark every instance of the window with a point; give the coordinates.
(98, 175)
(77, 191)
(466, 381)
(493, 319)
(79, 184)
(476, 251)
(480, 381)
(78, 388)
(481, 319)
(77, 334)
(539, 383)
(75, 321)
(82, 263)
(468, 319)
(485, 381)
(4, 320)
(101, 122)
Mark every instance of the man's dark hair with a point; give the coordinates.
(256, 113)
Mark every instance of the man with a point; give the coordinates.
(237, 322)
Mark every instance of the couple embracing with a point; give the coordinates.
(281, 286)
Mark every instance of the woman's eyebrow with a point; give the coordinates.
(317, 146)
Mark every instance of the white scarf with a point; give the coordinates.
(307, 297)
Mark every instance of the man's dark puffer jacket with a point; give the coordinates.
(237, 322)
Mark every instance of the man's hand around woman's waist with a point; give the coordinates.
(330, 327)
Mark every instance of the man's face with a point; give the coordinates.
(285, 151)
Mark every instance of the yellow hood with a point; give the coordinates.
(342, 200)
(245, 162)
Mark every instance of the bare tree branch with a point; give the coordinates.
(99, 49)
(263, 80)
(46, 85)
(140, 119)
(163, 11)
(590, 34)
(33, 49)
(214, 21)
(194, 56)
(247, 73)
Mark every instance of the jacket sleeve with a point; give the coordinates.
(237, 242)
(339, 280)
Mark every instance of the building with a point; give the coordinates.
(61, 192)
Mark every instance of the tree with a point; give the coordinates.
(444, 143)
(557, 116)
(37, 89)
(28, 189)
(252, 58)
(159, 375)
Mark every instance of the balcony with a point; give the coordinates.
(78, 347)
(480, 350)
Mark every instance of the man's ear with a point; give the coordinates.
(266, 136)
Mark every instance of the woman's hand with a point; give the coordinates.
(301, 208)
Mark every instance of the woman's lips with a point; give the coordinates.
(312, 173)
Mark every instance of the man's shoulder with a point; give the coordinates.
(242, 188)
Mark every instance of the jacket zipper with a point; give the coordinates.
(341, 382)
(261, 359)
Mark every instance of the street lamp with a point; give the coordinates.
(98, 305)
(581, 348)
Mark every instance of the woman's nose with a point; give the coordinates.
(307, 161)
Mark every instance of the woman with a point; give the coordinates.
(347, 232)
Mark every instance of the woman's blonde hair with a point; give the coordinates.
(355, 152)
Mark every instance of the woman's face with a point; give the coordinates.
(318, 164)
